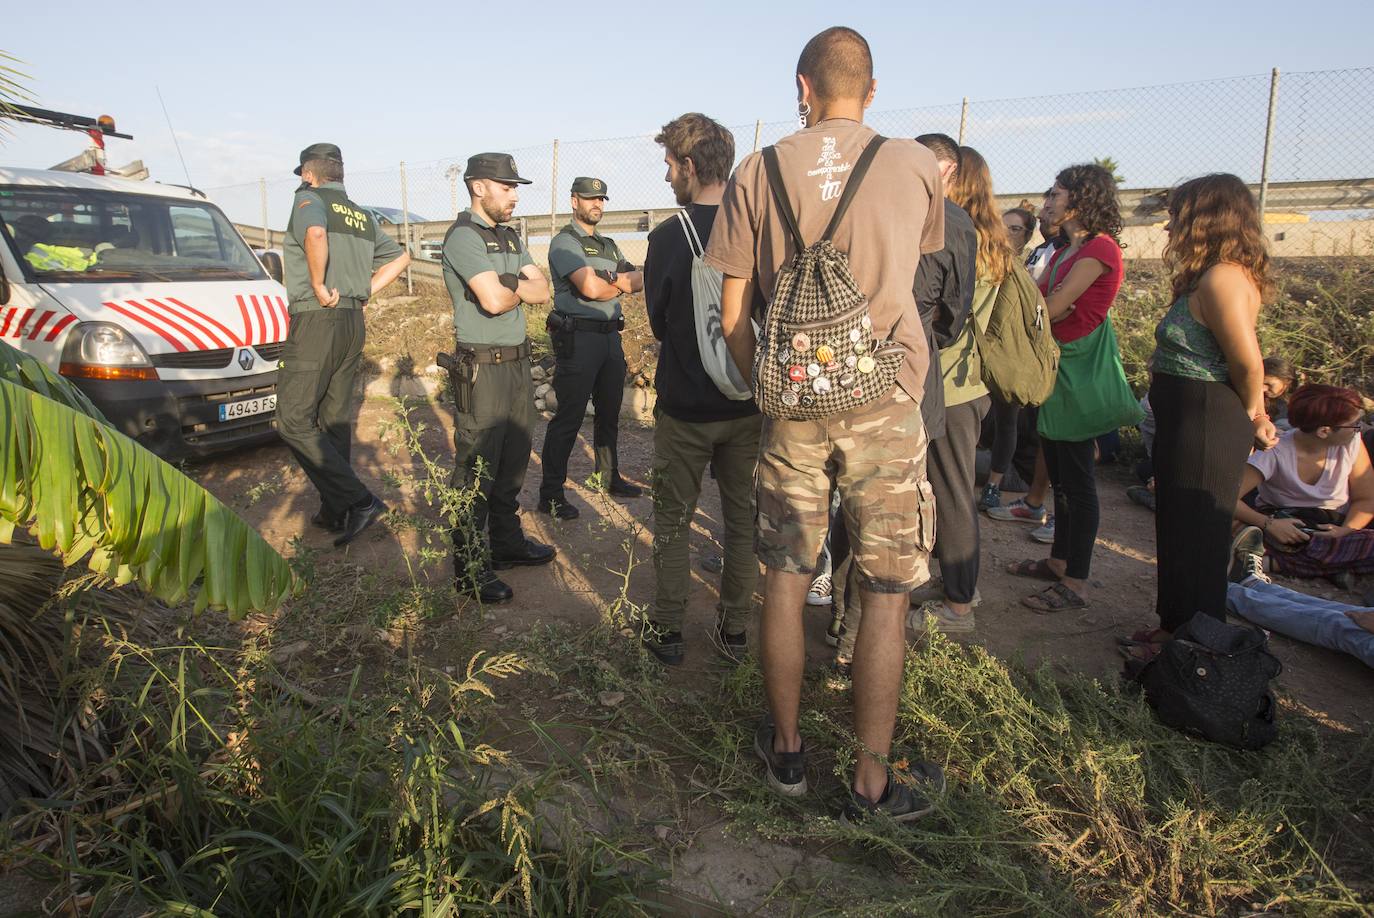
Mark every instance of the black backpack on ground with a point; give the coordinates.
(1213, 679)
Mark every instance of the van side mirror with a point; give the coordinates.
(271, 262)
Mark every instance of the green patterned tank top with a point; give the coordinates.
(1185, 347)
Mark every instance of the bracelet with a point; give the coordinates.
(1267, 521)
(1259, 414)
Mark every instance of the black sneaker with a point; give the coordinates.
(1247, 556)
(734, 647)
(908, 796)
(484, 587)
(528, 553)
(358, 518)
(835, 630)
(991, 497)
(327, 522)
(785, 771)
(559, 509)
(713, 564)
(666, 646)
(619, 487)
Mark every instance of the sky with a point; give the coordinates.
(246, 87)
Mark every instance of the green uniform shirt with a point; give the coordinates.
(572, 249)
(357, 248)
(474, 246)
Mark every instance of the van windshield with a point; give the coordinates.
(90, 236)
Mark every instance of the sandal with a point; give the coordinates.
(1056, 598)
(1034, 568)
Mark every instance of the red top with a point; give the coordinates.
(1092, 305)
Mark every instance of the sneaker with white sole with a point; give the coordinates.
(1247, 556)
(1018, 511)
(910, 794)
(1044, 534)
(934, 615)
(785, 772)
(819, 594)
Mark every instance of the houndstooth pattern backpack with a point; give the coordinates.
(816, 355)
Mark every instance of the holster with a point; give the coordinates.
(561, 335)
(462, 372)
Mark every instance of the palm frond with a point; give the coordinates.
(88, 492)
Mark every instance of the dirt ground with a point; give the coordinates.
(271, 492)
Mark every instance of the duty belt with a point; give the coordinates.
(581, 323)
(487, 353)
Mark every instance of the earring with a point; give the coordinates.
(803, 109)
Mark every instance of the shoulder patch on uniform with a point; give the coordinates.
(305, 202)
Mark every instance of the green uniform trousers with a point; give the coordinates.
(491, 446)
(682, 452)
(320, 362)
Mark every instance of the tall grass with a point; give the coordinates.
(1066, 796)
(230, 797)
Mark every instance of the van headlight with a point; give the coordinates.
(99, 350)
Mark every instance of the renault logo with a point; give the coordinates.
(246, 359)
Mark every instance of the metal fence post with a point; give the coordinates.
(963, 121)
(1268, 142)
(405, 225)
(758, 133)
(553, 193)
(266, 230)
(453, 172)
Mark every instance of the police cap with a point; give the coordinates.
(586, 187)
(498, 166)
(319, 151)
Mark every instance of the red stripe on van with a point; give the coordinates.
(247, 325)
(179, 329)
(148, 325)
(211, 319)
(189, 320)
(23, 320)
(9, 317)
(38, 326)
(285, 317)
(61, 326)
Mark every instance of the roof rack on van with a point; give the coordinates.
(103, 125)
(191, 188)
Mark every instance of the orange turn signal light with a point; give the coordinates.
(106, 124)
(86, 371)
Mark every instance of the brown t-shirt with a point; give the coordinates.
(889, 225)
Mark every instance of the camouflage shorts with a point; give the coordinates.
(876, 457)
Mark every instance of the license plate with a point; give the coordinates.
(250, 406)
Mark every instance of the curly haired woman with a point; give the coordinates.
(1207, 393)
(1091, 396)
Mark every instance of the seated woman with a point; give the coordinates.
(1315, 497)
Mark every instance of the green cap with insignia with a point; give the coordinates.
(587, 187)
(319, 151)
(498, 166)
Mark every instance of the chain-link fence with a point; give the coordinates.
(1305, 140)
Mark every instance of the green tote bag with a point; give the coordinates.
(1091, 396)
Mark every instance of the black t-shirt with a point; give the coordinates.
(944, 298)
(685, 391)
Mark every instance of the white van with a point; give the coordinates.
(148, 299)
